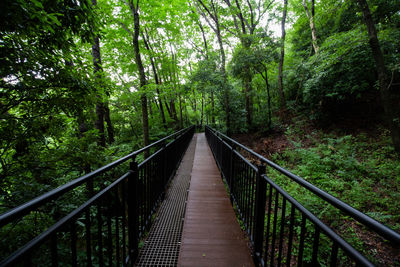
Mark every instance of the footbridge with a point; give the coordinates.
(198, 199)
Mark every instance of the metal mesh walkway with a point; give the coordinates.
(162, 245)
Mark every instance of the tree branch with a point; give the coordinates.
(124, 27)
(251, 14)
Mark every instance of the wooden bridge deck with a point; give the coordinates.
(211, 233)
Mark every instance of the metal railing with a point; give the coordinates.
(281, 230)
(105, 230)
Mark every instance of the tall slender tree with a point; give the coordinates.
(390, 94)
(211, 11)
(134, 10)
(246, 24)
(156, 79)
(99, 123)
(311, 18)
(282, 101)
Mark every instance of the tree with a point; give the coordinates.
(46, 93)
(134, 10)
(311, 17)
(280, 77)
(100, 109)
(156, 79)
(248, 15)
(390, 95)
(212, 12)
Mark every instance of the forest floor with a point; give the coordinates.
(352, 160)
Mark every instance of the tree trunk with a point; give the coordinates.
(217, 29)
(246, 43)
(180, 111)
(173, 110)
(110, 129)
(142, 76)
(168, 109)
(247, 92)
(150, 108)
(99, 123)
(178, 86)
(204, 39)
(202, 107)
(390, 95)
(226, 87)
(282, 101)
(83, 128)
(153, 66)
(269, 99)
(212, 108)
(312, 24)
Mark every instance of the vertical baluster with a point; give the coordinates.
(314, 260)
(141, 198)
(117, 244)
(146, 194)
(259, 216)
(289, 252)
(247, 194)
(334, 254)
(123, 223)
(27, 260)
(73, 244)
(276, 206)
(109, 236)
(243, 173)
(282, 230)
(240, 186)
(253, 202)
(100, 233)
(244, 192)
(133, 234)
(302, 237)
(268, 223)
(150, 192)
(230, 174)
(88, 236)
(54, 255)
(162, 172)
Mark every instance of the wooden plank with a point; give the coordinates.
(211, 233)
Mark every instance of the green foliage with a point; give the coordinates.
(342, 69)
(361, 170)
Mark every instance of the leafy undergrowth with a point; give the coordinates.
(361, 168)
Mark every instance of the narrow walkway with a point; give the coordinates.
(161, 247)
(211, 233)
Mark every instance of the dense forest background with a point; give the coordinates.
(314, 85)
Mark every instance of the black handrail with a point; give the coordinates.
(258, 203)
(328, 231)
(125, 208)
(376, 226)
(25, 208)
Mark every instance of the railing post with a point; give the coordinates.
(231, 173)
(163, 169)
(261, 189)
(133, 216)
